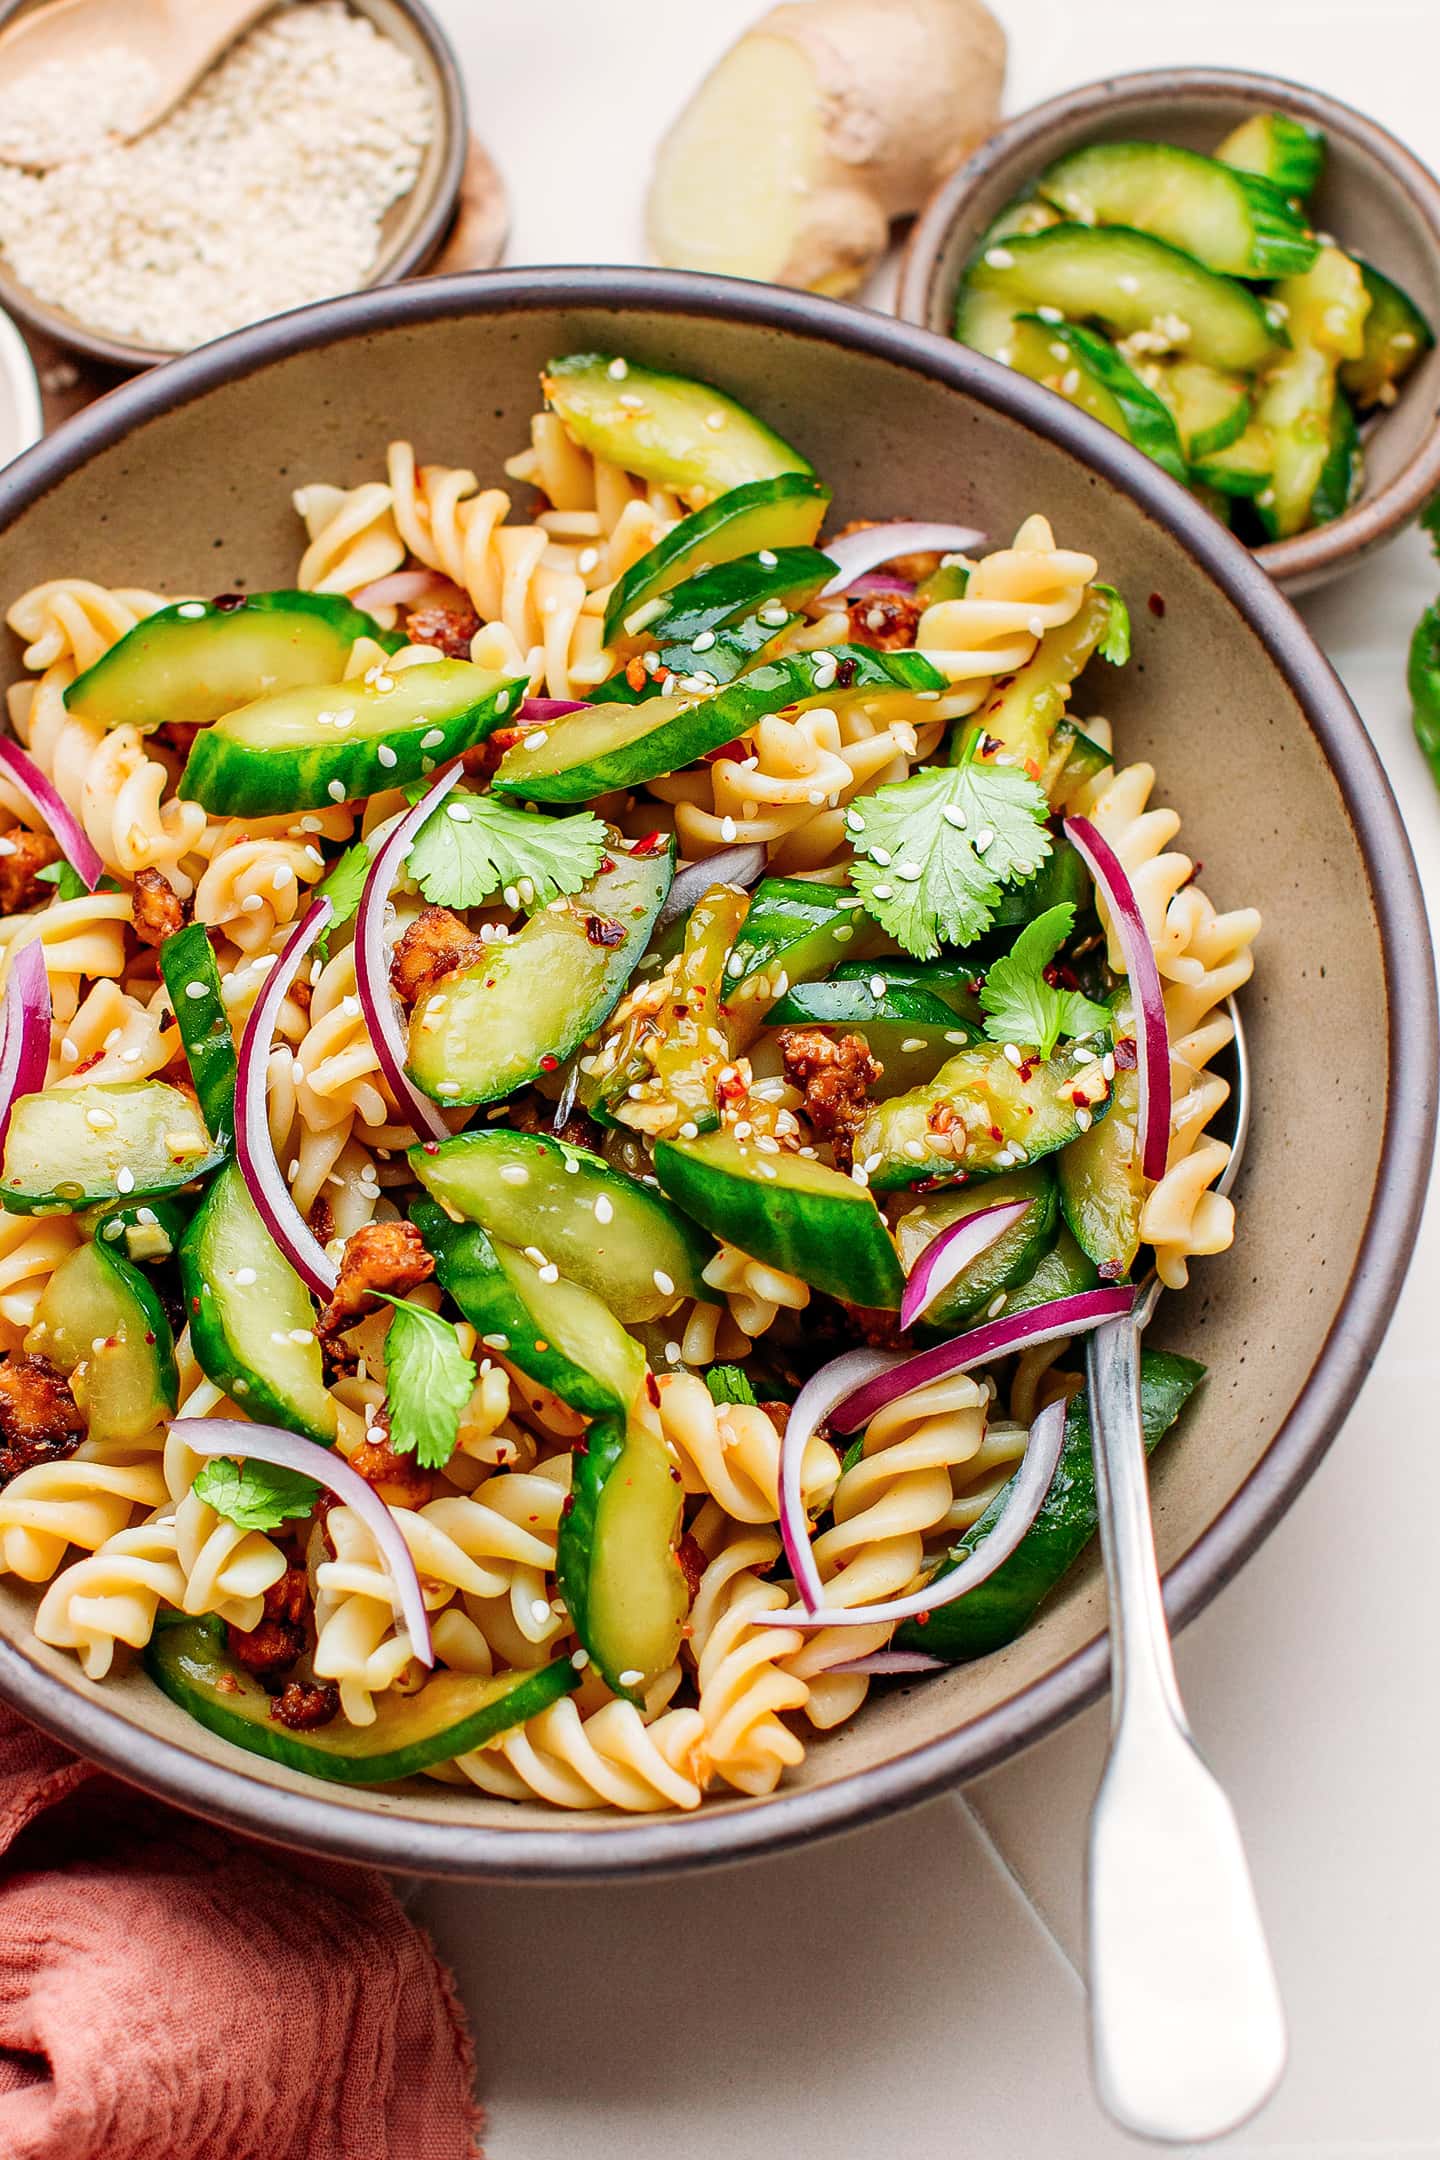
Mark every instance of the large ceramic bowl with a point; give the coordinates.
(182, 479)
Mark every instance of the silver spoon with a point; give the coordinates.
(1186, 2026)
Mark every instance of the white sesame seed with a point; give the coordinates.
(767, 558)
(496, 1342)
(860, 1175)
(663, 1282)
(432, 738)
(197, 990)
(983, 839)
(604, 1206)
(386, 756)
(631, 1677)
(191, 609)
(1084, 1120)
(910, 871)
(915, 1149)
(336, 791)
(580, 1659)
(954, 816)
(1013, 1054)
(1050, 314)
(514, 1174)
(618, 370)
(549, 1273)
(540, 1610)
(883, 892)
(996, 1306)
(912, 1044)
(587, 560)
(673, 1353)
(448, 1088)
(882, 856)
(703, 642)
(124, 1180)
(999, 258)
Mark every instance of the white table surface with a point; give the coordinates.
(914, 1987)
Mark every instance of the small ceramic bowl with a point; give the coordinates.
(1374, 195)
(22, 419)
(413, 230)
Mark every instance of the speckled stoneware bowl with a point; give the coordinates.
(183, 478)
(1375, 196)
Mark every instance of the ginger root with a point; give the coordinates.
(828, 119)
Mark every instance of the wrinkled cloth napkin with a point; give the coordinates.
(172, 1992)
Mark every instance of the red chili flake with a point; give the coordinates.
(635, 673)
(149, 1338)
(1126, 1055)
(227, 602)
(996, 1134)
(567, 1505)
(431, 1147)
(652, 1388)
(732, 749)
(1155, 604)
(1080, 1099)
(549, 1063)
(582, 1445)
(194, 1302)
(604, 930)
(845, 674)
(691, 1555)
(675, 1475)
(1032, 768)
(650, 845)
(1061, 977)
(1025, 1069)
(607, 864)
(922, 1618)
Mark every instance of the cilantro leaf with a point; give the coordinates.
(68, 883)
(727, 1384)
(475, 845)
(254, 1495)
(1114, 646)
(345, 882)
(429, 1380)
(939, 846)
(1020, 1006)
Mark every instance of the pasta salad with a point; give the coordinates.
(567, 1087)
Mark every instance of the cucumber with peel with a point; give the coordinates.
(783, 511)
(669, 429)
(1234, 222)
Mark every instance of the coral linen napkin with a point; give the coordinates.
(170, 1992)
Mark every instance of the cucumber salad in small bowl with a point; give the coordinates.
(576, 1067)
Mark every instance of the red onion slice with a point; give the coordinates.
(880, 1663)
(1118, 894)
(808, 1412)
(403, 588)
(858, 552)
(535, 711)
(287, 1451)
(45, 800)
(1074, 1315)
(372, 965)
(253, 1151)
(1032, 1482)
(875, 584)
(25, 1041)
(949, 1254)
(731, 866)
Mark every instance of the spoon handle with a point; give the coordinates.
(1187, 2030)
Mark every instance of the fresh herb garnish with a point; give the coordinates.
(1021, 1006)
(937, 847)
(477, 845)
(254, 1495)
(68, 883)
(429, 1380)
(1114, 646)
(344, 885)
(727, 1384)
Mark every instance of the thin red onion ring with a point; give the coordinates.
(256, 1157)
(883, 1662)
(857, 552)
(740, 865)
(1031, 1483)
(1118, 893)
(25, 1020)
(46, 801)
(949, 1254)
(808, 1412)
(402, 588)
(535, 711)
(287, 1451)
(1074, 1315)
(372, 966)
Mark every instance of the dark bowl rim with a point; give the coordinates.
(658, 1844)
(1308, 558)
(453, 127)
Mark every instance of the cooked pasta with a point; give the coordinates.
(554, 1291)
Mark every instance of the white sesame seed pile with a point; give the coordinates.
(63, 107)
(263, 190)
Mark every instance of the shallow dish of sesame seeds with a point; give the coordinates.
(322, 153)
(715, 490)
(1313, 171)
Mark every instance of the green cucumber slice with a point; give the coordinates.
(1230, 220)
(795, 931)
(1074, 759)
(736, 647)
(141, 1231)
(668, 428)
(187, 962)
(1085, 369)
(1120, 279)
(1102, 1190)
(1288, 153)
(1013, 1257)
(202, 658)
(784, 511)
(1064, 1271)
(252, 1325)
(1326, 310)
(481, 1034)
(1026, 214)
(451, 1714)
(1342, 476)
(1001, 1113)
(1396, 336)
(615, 1559)
(591, 752)
(1002, 1607)
(788, 1211)
(712, 600)
(1212, 409)
(603, 1230)
(910, 1031)
(100, 1321)
(71, 1147)
(1023, 713)
(340, 742)
(942, 978)
(1243, 468)
(557, 1332)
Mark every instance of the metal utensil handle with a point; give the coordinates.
(1187, 2030)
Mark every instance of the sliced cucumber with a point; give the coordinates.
(1025, 710)
(188, 964)
(252, 1325)
(1125, 281)
(141, 1231)
(72, 1147)
(1396, 336)
(1064, 1271)
(1326, 310)
(981, 1114)
(785, 511)
(100, 1321)
(666, 428)
(1072, 761)
(735, 647)
(1102, 1189)
(1084, 368)
(303, 749)
(479, 1035)
(786, 1210)
(1243, 468)
(556, 1331)
(615, 1559)
(951, 983)
(1212, 409)
(910, 1031)
(618, 746)
(450, 1715)
(1342, 476)
(201, 659)
(607, 1232)
(669, 1056)
(1289, 153)
(1230, 220)
(794, 932)
(1026, 214)
(713, 599)
(1013, 1257)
